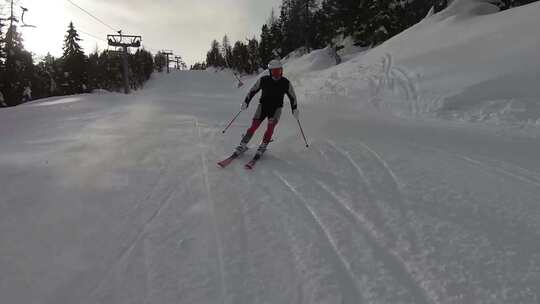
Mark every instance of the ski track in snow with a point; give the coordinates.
(211, 208)
(377, 196)
(298, 261)
(488, 166)
(349, 292)
(399, 251)
(390, 257)
(527, 179)
(324, 229)
(129, 245)
(139, 236)
(384, 163)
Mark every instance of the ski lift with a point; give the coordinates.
(120, 40)
(24, 9)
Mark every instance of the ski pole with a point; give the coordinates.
(231, 122)
(303, 135)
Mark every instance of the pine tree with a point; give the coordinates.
(291, 26)
(237, 57)
(214, 57)
(2, 46)
(111, 65)
(160, 62)
(94, 71)
(378, 24)
(276, 40)
(74, 62)
(343, 18)
(411, 12)
(306, 11)
(141, 63)
(198, 66)
(506, 4)
(241, 57)
(19, 68)
(253, 56)
(265, 46)
(325, 26)
(45, 77)
(2, 63)
(226, 51)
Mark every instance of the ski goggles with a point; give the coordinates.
(276, 73)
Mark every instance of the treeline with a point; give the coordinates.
(314, 24)
(21, 79)
(242, 57)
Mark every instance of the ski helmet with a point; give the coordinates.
(276, 69)
(275, 64)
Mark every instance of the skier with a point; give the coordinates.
(274, 87)
(27, 94)
(2, 102)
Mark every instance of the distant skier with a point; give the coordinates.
(27, 94)
(274, 87)
(2, 102)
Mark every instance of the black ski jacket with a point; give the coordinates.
(273, 92)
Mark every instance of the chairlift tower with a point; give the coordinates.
(167, 53)
(124, 42)
(179, 62)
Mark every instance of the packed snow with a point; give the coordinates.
(408, 193)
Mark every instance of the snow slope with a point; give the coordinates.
(108, 198)
(117, 199)
(465, 63)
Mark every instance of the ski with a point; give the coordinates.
(227, 161)
(260, 151)
(251, 164)
(224, 163)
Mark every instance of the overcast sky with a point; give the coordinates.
(185, 26)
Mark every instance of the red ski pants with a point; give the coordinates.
(272, 123)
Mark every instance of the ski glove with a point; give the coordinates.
(296, 114)
(244, 106)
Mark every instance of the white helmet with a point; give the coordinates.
(276, 69)
(275, 64)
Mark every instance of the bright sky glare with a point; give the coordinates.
(185, 26)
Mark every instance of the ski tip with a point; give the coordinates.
(223, 164)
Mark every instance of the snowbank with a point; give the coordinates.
(316, 60)
(468, 62)
(59, 101)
